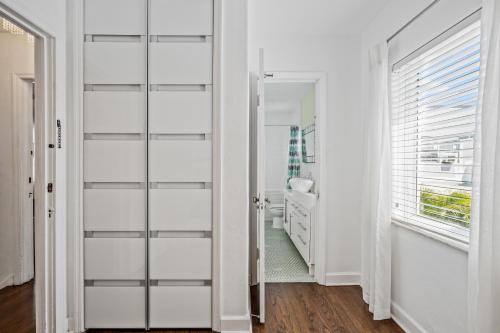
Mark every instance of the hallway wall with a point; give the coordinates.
(18, 60)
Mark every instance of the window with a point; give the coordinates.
(434, 97)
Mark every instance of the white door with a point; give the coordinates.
(258, 186)
(24, 120)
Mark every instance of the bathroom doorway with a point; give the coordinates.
(289, 153)
(287, 217)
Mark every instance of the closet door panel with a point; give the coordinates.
(180, 112)
(180, 62)
(180, 259)
(115, 259)
(114, 209)
(114, 112)
(181, 17)
(180, 161)
(180, 307)
(114, 63)
(115, 307)
(180, 209)
(115, 17)
(114, 161)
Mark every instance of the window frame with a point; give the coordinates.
(454, 235)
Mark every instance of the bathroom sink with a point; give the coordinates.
(301, 184)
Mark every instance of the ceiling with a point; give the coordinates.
(280, 97)
(313, 17)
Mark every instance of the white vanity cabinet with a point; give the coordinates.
(299, 225)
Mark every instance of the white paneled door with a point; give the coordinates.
(147, 168)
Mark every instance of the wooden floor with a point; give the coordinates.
(290, 308)
(17, 309)
(309, 307)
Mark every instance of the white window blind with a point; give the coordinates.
(434, 97)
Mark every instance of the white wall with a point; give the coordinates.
(50, 16)
(235, 312)
(429, 278)
(18, 60)
(339, 57)
(277, 126)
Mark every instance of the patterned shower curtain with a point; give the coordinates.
(294, 153)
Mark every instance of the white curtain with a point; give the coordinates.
(376, 212)
(484, 254)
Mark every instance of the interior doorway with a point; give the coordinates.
(27, 173)
(287, 148)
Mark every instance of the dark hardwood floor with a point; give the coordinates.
(309, 307)
(17, 309)
(290, 308)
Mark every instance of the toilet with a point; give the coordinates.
(276, 211)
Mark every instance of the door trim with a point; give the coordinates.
(44, 168)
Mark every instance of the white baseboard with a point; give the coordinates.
(7, 281)
(343, 279)
(236, 324)
(404, 320)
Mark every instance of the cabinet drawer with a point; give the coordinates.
(115, 307)
(301, 245)
(300, 227)
(181, 17)
(115, 259)
(114, 112)
(180, 62)
(180, 209)
(180, 112)
(180, 259)
(114, 62)
(180, 307)
(181, 160)
(114, 209)
(114, 160)
(115, 17)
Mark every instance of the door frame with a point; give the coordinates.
(45, 164)
(320, 81)
(19, 97)
(76, 281)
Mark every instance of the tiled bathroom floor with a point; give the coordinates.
(283, 261)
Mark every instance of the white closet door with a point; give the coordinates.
(180, 306)
(115, 307)
(115, 259)
(180, 112)
(181, 17)
(114, 209)
(114, 112)
(172, 209)
(115, 17)
(180, 259)
(114, 62)
(114, 161)
(180, 161)
(173, 62)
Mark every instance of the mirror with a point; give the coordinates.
(308, 144)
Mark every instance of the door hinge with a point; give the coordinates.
(258, 253)
(50, 187)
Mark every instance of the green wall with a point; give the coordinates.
(308, 109)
